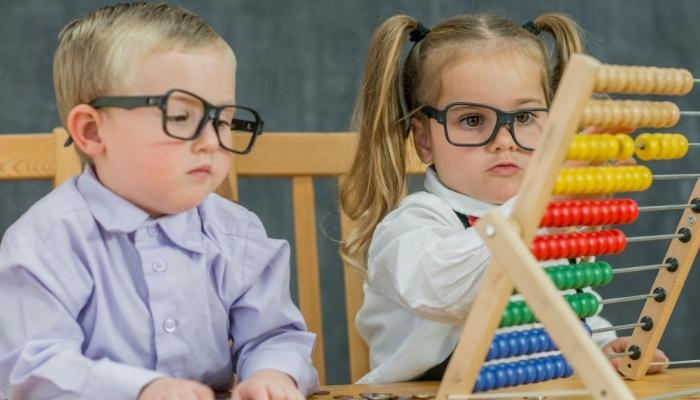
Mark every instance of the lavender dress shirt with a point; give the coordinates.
(97, 298)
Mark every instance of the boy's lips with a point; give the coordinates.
(201, 170)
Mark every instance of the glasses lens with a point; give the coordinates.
(469, 125)
(236, 127)
(528, 126)
(183, 112)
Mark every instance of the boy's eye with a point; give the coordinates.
(472, 121)
(223, 124)
(181, 117)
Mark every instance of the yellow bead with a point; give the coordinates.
(627, 146)
(667, 147)
(682, 145)
(647, 147)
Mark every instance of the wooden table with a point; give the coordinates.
(672, 380)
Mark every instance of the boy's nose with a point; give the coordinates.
(208, 140)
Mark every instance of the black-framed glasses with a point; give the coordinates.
(184, 116)
(475, 125)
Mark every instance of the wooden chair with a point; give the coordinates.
(299, 157)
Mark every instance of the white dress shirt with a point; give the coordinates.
(424, 273)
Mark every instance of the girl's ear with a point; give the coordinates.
(421, 140)
(82, 123)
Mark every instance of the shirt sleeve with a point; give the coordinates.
(40, 339)
(422, 257)
(267, 328)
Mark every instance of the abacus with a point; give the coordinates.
(516, 249)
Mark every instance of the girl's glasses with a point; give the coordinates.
(475, 125)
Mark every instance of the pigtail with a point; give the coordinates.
(567, 39)
(377, 179)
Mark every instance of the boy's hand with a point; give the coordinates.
(267, 385)
(181, 389)
(620, 345)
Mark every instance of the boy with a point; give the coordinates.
(131, 280)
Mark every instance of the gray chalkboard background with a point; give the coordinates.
(300, 62)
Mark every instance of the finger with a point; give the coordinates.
(204, 392)
(276, 393)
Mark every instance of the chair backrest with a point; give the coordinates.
(299, 157)
(37, 156)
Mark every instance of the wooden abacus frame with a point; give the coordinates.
(512, 260)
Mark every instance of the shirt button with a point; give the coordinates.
(152, 230)
(169, 325)
(158, 266)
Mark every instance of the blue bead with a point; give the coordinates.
(541, 370)
(501, 377)
(489, 379)
(493, 350)
(534, 343)
(560, 366)
(523, 343)
(520, 373)
(512, 375)
(479, 384)
(531, 371)
(550, 368)
(513, 345)
(569, 370)
(545, 342)
(503, 349)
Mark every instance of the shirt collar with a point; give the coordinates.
(457, 201)
(116, 214)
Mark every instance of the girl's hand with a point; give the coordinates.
(620, 345)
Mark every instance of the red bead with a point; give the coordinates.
(553, 245)
(582, 245)
(585, 211)
(565, 216)
(575, 215)
(595, 216)
(556, 216)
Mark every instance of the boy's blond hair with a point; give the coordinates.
(97, 53)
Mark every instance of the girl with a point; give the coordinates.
(475, 90)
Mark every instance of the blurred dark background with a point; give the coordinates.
(300, 64)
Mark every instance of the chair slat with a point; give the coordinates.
(27, 156)
(68, 162)
(308, 281)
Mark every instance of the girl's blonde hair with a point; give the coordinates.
(390, 96)
(98, 54)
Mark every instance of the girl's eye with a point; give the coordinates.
(523, 117)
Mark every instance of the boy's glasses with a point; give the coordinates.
(185, 115)
(475, 125)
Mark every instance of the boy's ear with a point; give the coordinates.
(82, 123)
(421, 140)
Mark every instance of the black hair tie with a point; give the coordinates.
(530, 27)
(419, 33)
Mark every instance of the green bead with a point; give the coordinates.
(528, 316)
(580, 275)
(596, 274)
(607, 273)
(559, 279)
(570, 276)
(517, 313)
(507, 318)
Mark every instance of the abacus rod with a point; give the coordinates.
(665, 207)
(620, 355)
(675, 176)
(639, 268)
(675, 362)
(654, 237)
(618, 327)
(627, 298)
(691, 113)
(517, 395)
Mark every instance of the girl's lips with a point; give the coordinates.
(504, 169)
